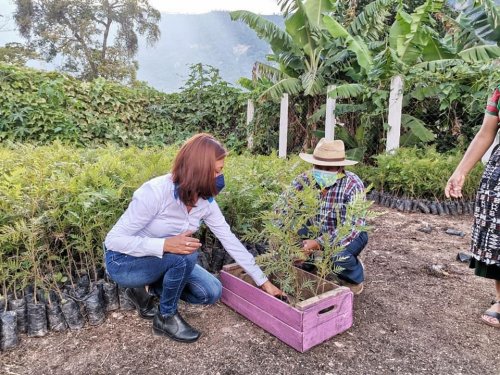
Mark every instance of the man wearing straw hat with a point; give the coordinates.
(338, 188)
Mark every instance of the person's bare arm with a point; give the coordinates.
(479, 145)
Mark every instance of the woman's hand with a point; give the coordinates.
(269, 288)
(454, 186)
(181, 244)
(478, 147)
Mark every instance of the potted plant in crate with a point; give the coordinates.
(316, 308)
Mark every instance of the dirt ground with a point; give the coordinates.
(409, 320)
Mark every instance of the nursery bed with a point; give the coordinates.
(409, 320)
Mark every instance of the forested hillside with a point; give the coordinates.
(210, 38)
(186, 39)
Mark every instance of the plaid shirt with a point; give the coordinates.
(337, 196)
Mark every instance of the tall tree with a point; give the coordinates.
(95, 38)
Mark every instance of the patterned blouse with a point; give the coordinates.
(485, 245)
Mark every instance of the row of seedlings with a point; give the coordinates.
(51, 301)
(426, 206)
(34, 311)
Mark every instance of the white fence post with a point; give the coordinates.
(283, 126)
(250, 114)
(395, 107)
(330, 120)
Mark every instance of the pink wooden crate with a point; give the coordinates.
(311, 322)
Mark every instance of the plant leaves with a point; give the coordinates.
(417, 128)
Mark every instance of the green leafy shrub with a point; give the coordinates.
(418, 173)
(57, 202)
(41, 107)
(449, 102)
(440, 106)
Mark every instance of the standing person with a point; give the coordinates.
(485, 246)
(338, 188)
(152, 243)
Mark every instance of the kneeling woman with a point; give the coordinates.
(152, 243)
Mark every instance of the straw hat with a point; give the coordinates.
(328, 153)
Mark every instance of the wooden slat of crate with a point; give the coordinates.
(275, 307)
(263, 319)
(234, 283)
(341, 300)
(329, 328)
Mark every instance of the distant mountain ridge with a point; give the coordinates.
(210, 38)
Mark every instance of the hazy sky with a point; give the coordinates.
(204, 6)
(164, 6)
(194, 6)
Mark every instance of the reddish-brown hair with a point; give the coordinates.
(194, 168)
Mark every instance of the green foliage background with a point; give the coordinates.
(57, 202)
(41, 107)
(418, 173)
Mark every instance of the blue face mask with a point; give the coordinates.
(219, 183)
(325, 179)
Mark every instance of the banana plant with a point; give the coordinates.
(321, 46)
(413, 40)
(477, 24)
(298, 50)
(317, 48)
(472, 37)
(414, 43)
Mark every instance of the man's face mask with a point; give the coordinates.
(325, 179)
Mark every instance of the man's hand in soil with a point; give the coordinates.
(309, 246)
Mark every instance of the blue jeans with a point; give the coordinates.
(202, 288)
(172, 277)
(352, 271)
(348, 259)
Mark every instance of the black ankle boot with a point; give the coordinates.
(174, 327)
(143, 302)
